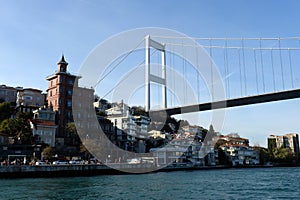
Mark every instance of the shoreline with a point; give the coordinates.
(51, 171)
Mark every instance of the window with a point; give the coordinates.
(70, 82)
(48, 141)
(70, 92)
(60, 79)
(51, 116)
(69, 103)
(42, 116)
(28, 97)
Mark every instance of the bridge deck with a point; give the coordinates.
(264, 98)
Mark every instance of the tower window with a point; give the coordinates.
(69, 92)
(69, 103)
(70, 82)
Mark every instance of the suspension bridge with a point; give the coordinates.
(220, 72)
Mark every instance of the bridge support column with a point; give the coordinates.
(147, 85)
(150, 77)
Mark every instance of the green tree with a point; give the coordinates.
(283, 155)
(9, 126)
(138, 110)
(271, 144)
(219, 143)
(47, 153)
(5, 111)
(19, 128)
(71, 128)
(222, 158)
(24, 133)
(264, 155)
(72, 134)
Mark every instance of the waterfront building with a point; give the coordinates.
(43, 125)
(238, 151)
(290, 140)
(169, 154)
(240, 154)
(29, 99)
(181, 151)
(60, 91)
(17, 154)
(59, 95)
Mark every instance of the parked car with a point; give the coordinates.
(40, 163)
(76, 162)
(92, 162)
(60, 162)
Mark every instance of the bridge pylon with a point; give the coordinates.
(153, 78)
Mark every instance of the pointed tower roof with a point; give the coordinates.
(62, 60)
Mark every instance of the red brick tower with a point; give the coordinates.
(59, 95)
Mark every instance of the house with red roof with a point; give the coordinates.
(43, 125)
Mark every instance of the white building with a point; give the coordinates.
(142, 123)
(181, 152)
(241, 154)
(43, 125)
(131, 130)
(120, 115)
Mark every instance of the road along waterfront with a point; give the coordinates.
(27, 171)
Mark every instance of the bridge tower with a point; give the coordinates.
(153, 78)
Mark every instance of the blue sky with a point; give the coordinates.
(34, 34)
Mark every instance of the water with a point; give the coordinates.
(268, 183)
